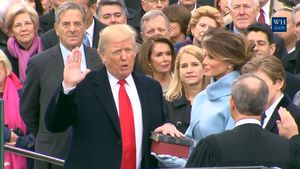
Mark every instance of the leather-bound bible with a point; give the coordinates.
(165, 144)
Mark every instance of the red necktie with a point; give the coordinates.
(127, 129)
(261, 18)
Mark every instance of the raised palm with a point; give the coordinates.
(72, 72)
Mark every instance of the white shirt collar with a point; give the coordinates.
(90, 32)
(114, 81)
(270, 110)
(66, 52)
(235, 30)
(247, 121)
(292, 50)
(90, 29)
(266, 9)
(195, 7)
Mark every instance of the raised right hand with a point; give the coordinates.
(72, 72)
(287, 127)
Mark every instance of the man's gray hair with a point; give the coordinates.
(296, 9)
(153, 14)
(250, 99)
(229, 3)
(69, 6)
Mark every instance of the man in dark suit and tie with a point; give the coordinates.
(110, 12)
(261, 36)
(45, 74)
(93, 27)
(93, 105)
(272, 72)
(247, 144)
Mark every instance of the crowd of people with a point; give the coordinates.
(87, 81)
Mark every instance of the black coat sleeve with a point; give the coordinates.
(60, 112)
(6, 134)
(202, 156)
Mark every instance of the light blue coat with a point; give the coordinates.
(210, 115)
(210, 111)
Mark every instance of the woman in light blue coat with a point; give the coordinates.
(225, 54)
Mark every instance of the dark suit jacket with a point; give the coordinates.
(50, 39)
(178, 112)
(92, 112)
(245, 145)
(3, 40)
(134, 18)
(291, 62)
(291, 107)
(44, 75)
(47, 21)
(13, 61)
(132, 4)
(292, 84)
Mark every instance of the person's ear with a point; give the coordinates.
(232, 107)
(231, 103)
(125, 19)
(272, 48)
(257, 9)
(102, 57)
(279, 84)
(143, 3)
(193, 30)
(56, 28)
(93, 9)
(142, 35)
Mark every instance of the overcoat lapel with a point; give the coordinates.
(103, 93)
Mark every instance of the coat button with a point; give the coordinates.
(178, 124)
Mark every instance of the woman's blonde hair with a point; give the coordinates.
(5, 61)
(207, 11)
(177, 87)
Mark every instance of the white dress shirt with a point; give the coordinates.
(266, 9)
(247, 121)
(136, 107)
(90, 33)
(270, 111)
(66, 52)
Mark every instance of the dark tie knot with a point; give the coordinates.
(122, 82)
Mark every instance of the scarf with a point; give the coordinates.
(23, 55)
(13, 119)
